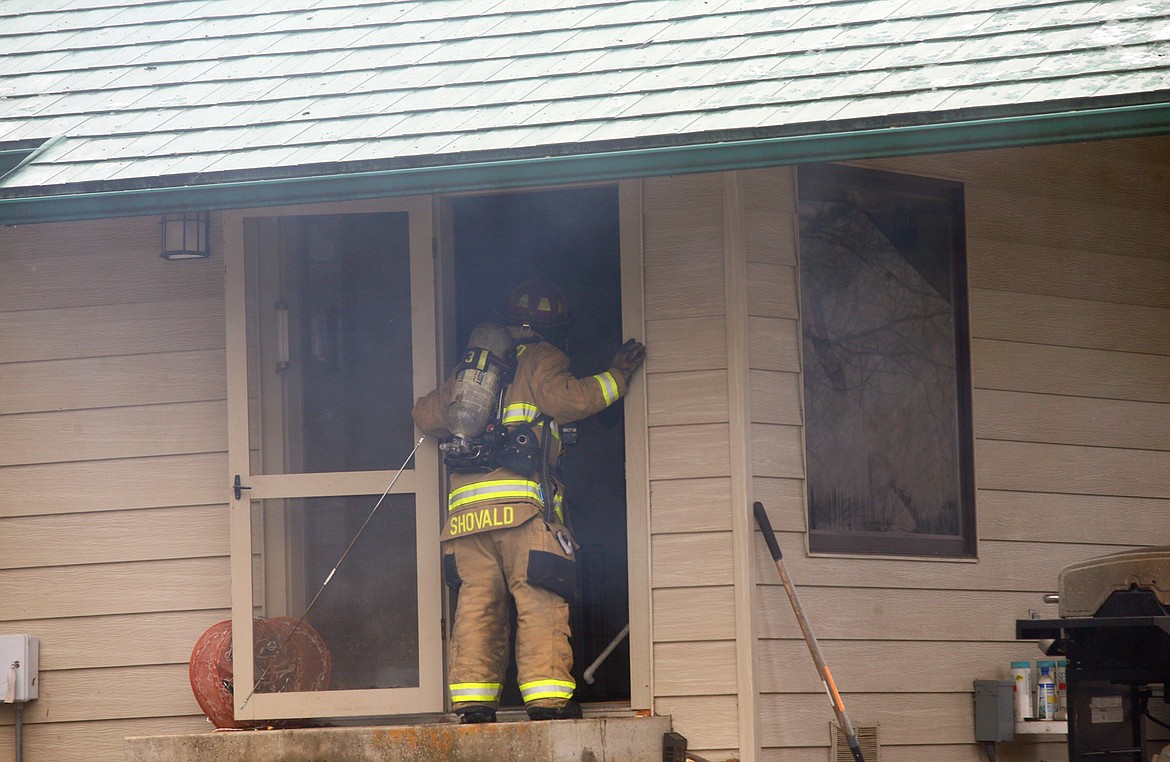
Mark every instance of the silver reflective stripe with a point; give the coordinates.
(507, 489)
(520, 412)
(526, 412)
(478, 692)
(609, 387)
(542, 689)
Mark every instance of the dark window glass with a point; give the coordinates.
(886, 370)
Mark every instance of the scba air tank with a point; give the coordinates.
(478, 380)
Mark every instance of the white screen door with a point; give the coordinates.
(331, 337)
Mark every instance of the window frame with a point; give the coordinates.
(963, 546)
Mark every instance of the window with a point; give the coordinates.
(886, 367)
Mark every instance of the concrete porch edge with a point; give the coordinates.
(603, 739)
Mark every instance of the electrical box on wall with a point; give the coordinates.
(19, 657)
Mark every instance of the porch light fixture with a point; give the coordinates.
(184, 235)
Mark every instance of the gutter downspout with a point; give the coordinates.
(1092, 124)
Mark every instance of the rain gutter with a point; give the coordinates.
(1002, 132)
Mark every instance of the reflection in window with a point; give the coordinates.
(886, 377)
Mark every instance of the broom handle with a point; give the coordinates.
(806, 629)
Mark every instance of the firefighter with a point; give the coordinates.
(505, 532)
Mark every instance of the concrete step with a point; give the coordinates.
(601, 739)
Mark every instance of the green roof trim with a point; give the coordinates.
(1004, 132)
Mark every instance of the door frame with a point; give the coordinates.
(633, 323)
(422, 480)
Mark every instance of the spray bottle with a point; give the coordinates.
(1045, 694)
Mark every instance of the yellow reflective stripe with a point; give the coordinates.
(526, 412)
(542, 689)
(520, 412)
(609, 387)
(506, 489)
(489, 692)
(559, 507)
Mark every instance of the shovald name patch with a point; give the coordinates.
(473, 521)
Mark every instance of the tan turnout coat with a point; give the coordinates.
(542, 385)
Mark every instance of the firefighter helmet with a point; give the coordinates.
(538, 303)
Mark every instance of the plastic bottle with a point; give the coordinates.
(1045, 695)
(1022, 690)
(1060, 676)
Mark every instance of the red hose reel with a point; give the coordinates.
(289, 656)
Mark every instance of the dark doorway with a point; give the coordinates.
(569, 237)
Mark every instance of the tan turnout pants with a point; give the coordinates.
(490, 565)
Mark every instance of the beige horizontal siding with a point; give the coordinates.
(1070, 357)
(877, 666)
(147, 379)
(774, 344)
(688, 289)
(114, 475)
(176, 326)
(90, 279)
(139, 535)
(775, 397)
(1015, 515)
(99, 740)
(675, 504)
(1056, 419)
(685, 344)
(682, 220)
(1042, 269)
(1059, 321)
(696, 559)
(1022, 750)
(113, 693)
(1071, 371)
(1069, 224)
(772, 291)
(692, 451)
(689, 451)
(128, 432)
(1065, 468)
(687, 397)
(803, 719)
(783, 498)
(119, 640)
(694, 669)
(707, 721)
(693, 614)
(115, 588)
(777, 451)
(769, 205)
(910, 614)
(111, 485)
(1003, 566)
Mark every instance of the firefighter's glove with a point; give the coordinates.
(629, 357)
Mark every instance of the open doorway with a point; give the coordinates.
(569, 237)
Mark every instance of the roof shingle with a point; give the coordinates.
(159, 89)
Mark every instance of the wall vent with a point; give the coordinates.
(867, 739)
